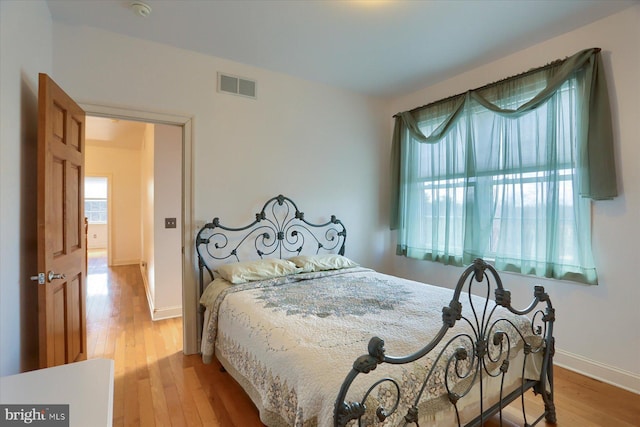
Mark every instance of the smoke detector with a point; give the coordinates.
(141, 9)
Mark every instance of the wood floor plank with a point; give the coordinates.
(157, 385)
(131, 407)
(157, 392)
(188, 405)
(119, 372)
(174, 406)
(200, 398)
(145, 402)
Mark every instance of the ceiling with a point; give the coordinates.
(114, 133)
(380, 48)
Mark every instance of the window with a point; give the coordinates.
(95, 200)
(498, 173)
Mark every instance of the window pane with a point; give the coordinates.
(95, 210)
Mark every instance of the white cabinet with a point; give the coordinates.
(87, 387)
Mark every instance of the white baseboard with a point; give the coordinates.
(118, 262)
(599, 371)
(158, 313)
(143, 273)
(167, 313)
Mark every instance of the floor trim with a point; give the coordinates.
(608, 374)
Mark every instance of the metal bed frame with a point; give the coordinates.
(489, 355)
(281, 230)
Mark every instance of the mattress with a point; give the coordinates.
(290, 341)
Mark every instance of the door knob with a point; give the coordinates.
(52, 276)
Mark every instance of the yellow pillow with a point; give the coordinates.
(309, 263)
(248, 271)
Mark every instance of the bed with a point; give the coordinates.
(317, 340)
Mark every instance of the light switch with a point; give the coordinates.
(169, 223)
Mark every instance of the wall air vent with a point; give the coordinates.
(236, 85)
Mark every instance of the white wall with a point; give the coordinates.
(97, 236)
(167, 163)
(26, 50)
(161, 178)
(123, 166)
(597, 326)
(147, 218)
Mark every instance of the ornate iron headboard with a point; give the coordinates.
(279, 230)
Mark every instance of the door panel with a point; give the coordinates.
(73, 204)
(57, 213)
(74, 322)
(75, 133)
(60, 352)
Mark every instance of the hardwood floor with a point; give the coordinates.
(157, 385)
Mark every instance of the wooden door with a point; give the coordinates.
(61, 245)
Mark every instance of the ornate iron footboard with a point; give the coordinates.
(489, 355)
(279, 230)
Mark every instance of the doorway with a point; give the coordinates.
(185, 272)
(96, 212)
(112, 160)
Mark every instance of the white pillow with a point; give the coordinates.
(309, 263)
(248, 271)
(212, 291)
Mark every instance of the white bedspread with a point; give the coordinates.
(291, 341)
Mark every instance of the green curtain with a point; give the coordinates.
(508, 172)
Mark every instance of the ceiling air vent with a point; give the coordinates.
(236, 85)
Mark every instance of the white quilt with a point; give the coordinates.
(291, 341)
